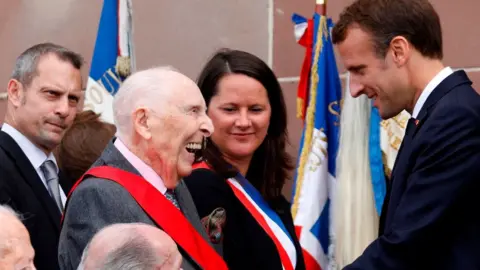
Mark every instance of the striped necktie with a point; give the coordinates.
(50, 172)
(170, 195)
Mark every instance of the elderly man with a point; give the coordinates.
(16, 252)
(161, 121)
(43, 94)
(131, 245)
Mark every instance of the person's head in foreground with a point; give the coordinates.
(43, 94)
(16, 251)
(131, 246)
(160, 116)
(392, 48)
(247, 108)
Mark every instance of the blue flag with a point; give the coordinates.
(112, 58)
(318, 149)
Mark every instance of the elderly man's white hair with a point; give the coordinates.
(6, 211)
(141, 89)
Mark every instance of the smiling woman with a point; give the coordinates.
(237, 186)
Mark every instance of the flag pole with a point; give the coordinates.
(321, 7)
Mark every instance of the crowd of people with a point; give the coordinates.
(190, 175)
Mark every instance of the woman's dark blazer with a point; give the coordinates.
(245, 244)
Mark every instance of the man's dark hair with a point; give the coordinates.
(415, 20)
(26, 65)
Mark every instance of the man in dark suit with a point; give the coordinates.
(393, 50)
(43, 94)
(161, 122)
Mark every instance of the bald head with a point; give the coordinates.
(150, 88)
(16, 251)
(131, 246)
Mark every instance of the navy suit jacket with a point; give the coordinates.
(22, 189)
(426, 222)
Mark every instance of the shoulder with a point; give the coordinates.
(201, 179)
(209, 191)
(463, 102)
(97, 192)
(459, 109)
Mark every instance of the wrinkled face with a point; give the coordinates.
(175, 134)
(380, 79)
(19, 255)
(45, 109)
(240, 112)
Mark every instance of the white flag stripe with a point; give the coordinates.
(279, 233)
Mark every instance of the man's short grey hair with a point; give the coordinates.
(141, 89)
(26, 65)
(5, 210)
(134, 252)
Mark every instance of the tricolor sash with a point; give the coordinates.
(265, 216)
(163, 212)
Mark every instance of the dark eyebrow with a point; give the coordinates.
(228, 104)
(356, 68)
(50, 88)
(74, 95)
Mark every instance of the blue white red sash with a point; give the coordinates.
(267, 218)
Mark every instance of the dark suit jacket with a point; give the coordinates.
(245, 244)
(427, 222)
(23, 190)
(96, 203)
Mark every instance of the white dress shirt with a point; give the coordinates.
(36, 156)
(442, 75)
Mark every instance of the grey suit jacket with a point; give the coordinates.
(96, 203)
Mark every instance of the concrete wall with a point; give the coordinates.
(185, 33)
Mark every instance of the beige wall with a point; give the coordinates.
(185, 33)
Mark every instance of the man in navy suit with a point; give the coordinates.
(393, 50)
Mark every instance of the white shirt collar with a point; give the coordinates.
(442, 75)
(36, 156)
(145, 171)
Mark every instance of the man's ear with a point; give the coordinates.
(401, 50)
(140, 123)
(16, 93)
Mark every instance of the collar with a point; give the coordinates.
(444, 73)
(145, 171)
(36, 156)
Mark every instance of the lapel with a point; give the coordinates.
(189, 210)
(29, 174)
(455, 79)
(452, 81)
(112, 157)
(402, 163)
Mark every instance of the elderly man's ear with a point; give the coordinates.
(141, 123)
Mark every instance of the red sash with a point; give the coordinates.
(164, 213)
